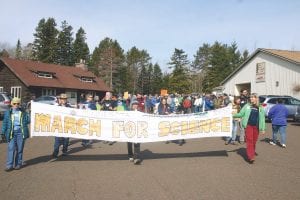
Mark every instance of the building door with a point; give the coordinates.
(243, 86)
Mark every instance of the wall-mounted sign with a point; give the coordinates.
(260, 72)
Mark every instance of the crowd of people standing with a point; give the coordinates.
(248, 116)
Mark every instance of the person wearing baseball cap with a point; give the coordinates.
(62, 101)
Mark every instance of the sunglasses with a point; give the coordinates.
(16, 104)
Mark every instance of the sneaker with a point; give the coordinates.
(54, 156)
(227, 142)
(137, 161)
(9, 169)
(131, 159)
(283, 146)
(17, 167)
(272, 143)
(234, 143)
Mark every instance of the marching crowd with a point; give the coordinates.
(248, 116)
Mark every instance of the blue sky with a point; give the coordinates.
(159, 26)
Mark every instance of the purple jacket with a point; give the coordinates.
(278, 114)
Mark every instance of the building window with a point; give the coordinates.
(277, 83)
(86, 79)
(44, 75)
(1, 89)
(48, 92)
(73, 94)
(15, 91)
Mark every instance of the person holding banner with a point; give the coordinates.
(109, 103)
(163, 109)
(134, 156)
(253, 120)
(15, 132)
(89, 104)
(62, 101)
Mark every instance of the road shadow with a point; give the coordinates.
(241, 152)
(266, 140)
(38, 160)
(149, 155)
(145, 155)
(75, 141)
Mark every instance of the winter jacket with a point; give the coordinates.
(245, 113)
(278, 114)
(8, 123)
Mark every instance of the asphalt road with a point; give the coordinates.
(200, 169)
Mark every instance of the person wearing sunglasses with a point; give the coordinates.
(15, 130)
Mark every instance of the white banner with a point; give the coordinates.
(127, 126)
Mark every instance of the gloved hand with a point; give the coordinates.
(3, 138)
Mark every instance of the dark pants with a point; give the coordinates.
(136, 146)
(60, 141)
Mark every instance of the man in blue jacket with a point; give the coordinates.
(278, 114)
(15, 131)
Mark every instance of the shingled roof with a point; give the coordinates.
(63, 76)
(292, 56)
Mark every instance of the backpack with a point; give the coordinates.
(186, 103)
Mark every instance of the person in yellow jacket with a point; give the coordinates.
(253, 120)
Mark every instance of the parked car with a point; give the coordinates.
(52, 100)
(268, 101)
(297, 115)
(4, 103)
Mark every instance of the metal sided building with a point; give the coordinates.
(266, 72)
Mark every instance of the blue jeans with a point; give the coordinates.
(15, 147)
(60, 141)
(242, 132)
(197, 109)
(235, 125)
(282, 131)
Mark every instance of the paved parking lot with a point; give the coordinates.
(200, 169)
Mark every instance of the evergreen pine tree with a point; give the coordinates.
(136, 60)
(180, 77)
(106, 58)
(157, 79)
(80, 48)
(64, 45)
(45, 40)
(18, 52)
